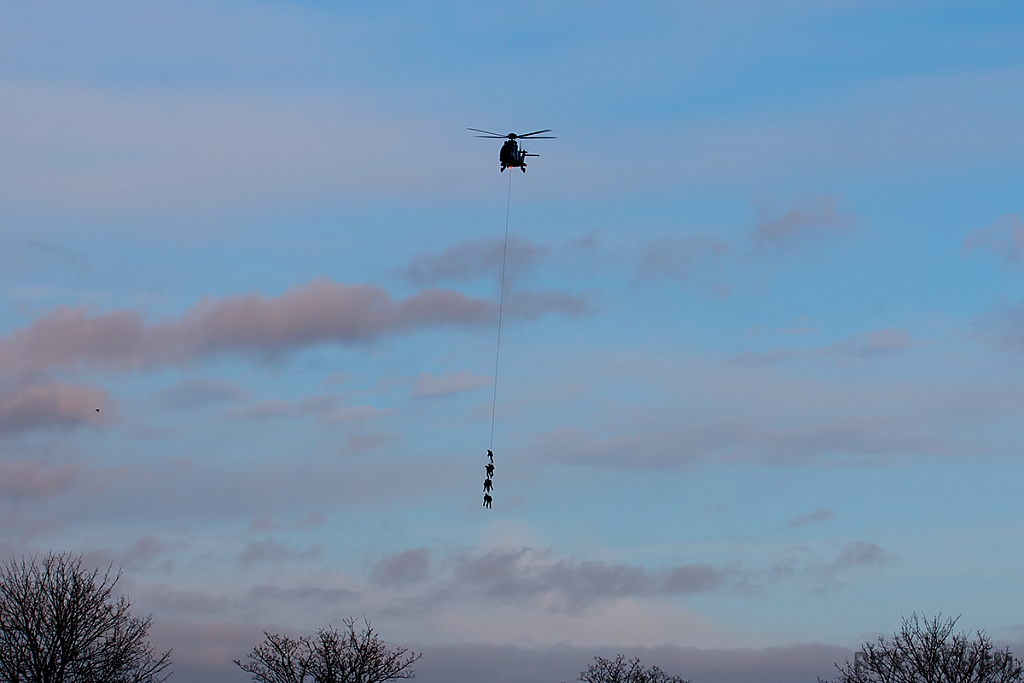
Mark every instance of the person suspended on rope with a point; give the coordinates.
(490, 470)
(490, 456)
(488, 485)
(487, 501)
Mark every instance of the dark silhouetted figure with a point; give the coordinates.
(488, 485)
(490, 455)
(97, 410)
(487, 501)
(490, 470)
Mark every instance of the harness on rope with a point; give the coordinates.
(489, 469)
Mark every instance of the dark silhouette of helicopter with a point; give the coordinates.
(511, 156)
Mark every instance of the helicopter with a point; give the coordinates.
(511, 156)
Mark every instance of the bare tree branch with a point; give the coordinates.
(924, 651)
(622, 670)
(348, 656)
(60, 623)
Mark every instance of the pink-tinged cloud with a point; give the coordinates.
(52, 404)
(806, 219)
(427, 385)
(33, 480)
(1005, 238)
(319, 312)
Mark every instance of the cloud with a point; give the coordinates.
(33, 480)
(324, 407)
(531, 304)
(678, 257)
(427, 385)
(271, 550)
(197, 393)
(306, 523)
(302, 594)
(1005, 238)
(52, 404)
(409, 566)
(481, 260)
(669, 445)
(852, 556)
(171, 602)
(871, 344)
(574, 585)
(1003, 326)
(477, 259)
(34, 256)
(319, 312)
(364, 443)
(355, 414)
(819, 515)
(807, 219)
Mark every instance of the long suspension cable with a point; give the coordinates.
(501, 305)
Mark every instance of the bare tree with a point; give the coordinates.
(924, 651)
(332, 656)
(60, 623)
(622, 670)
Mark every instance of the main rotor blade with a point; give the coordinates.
(526, 135)
(491, 137)
(539, 137)
(477, 130)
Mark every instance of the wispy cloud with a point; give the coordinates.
(852, 557)
(197, 393)
(33, 480)
(327, 408)
(1004, 238)
(678, 257)
(481, 260)
(871, 344)
(427, 385)
(806, 219)
(409, 566)
(668, 445)
(1003, 326)
(53, 404)
(272, 550)
(819, 515)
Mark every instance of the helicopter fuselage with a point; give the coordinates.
(511, 156)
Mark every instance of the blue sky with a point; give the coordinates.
(761, 383)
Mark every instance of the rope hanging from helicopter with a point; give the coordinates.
(501, 308)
